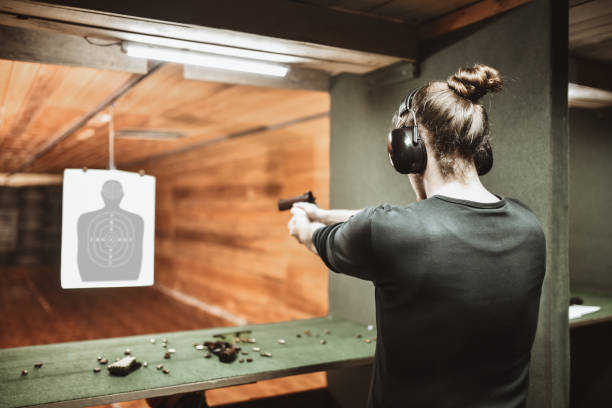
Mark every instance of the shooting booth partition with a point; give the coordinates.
(530, 139)
(590, 255)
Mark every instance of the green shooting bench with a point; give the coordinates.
(67, 376)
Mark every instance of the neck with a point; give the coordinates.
(468, 186)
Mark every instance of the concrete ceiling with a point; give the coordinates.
(408, 11)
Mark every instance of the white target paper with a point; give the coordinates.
(108, 229)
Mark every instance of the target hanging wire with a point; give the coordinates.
(111, 139)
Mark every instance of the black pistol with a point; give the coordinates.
(285, 204)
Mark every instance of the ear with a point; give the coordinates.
(432, 161)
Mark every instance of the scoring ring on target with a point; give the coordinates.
(110, 239)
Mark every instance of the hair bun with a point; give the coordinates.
(474, 83)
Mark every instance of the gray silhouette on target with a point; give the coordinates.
(110, 240)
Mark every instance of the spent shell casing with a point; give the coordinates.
(24, 372)
(368, 341)
(165, 371)
(159, 366)
(171, 350)
(38, 365)
(103, 361)
(167, 355)
(323, 341)
(249, 360)
(281, 341)
(96, 369)
(145, 364)
(152, 340)
(199, 347)
(127, 352)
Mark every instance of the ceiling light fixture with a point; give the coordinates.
(149, 134)
(581, 96)
(201, 59)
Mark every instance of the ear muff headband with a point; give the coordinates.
(406, 149)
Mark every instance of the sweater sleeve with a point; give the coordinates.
(347, 247)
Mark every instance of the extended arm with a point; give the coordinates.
(325, 217)
(345, 247)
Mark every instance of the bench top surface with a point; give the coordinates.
(593, 298)
(67, 378)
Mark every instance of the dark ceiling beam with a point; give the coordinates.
(467, 15)
(594, 74)
(273, 18)
(19, 44)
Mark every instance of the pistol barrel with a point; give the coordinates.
(286, 203)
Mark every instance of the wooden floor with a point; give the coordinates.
(35, 310)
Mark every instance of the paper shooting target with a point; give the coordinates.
(108, 229)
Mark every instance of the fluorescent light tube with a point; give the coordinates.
(202, 59)
(581, 96)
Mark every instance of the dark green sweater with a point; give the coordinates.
(457, 288)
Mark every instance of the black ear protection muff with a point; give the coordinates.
(406, 149)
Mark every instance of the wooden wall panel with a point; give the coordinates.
(220, 237)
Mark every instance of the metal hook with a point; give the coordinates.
(141, 172)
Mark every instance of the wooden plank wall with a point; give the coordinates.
(219, 235)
